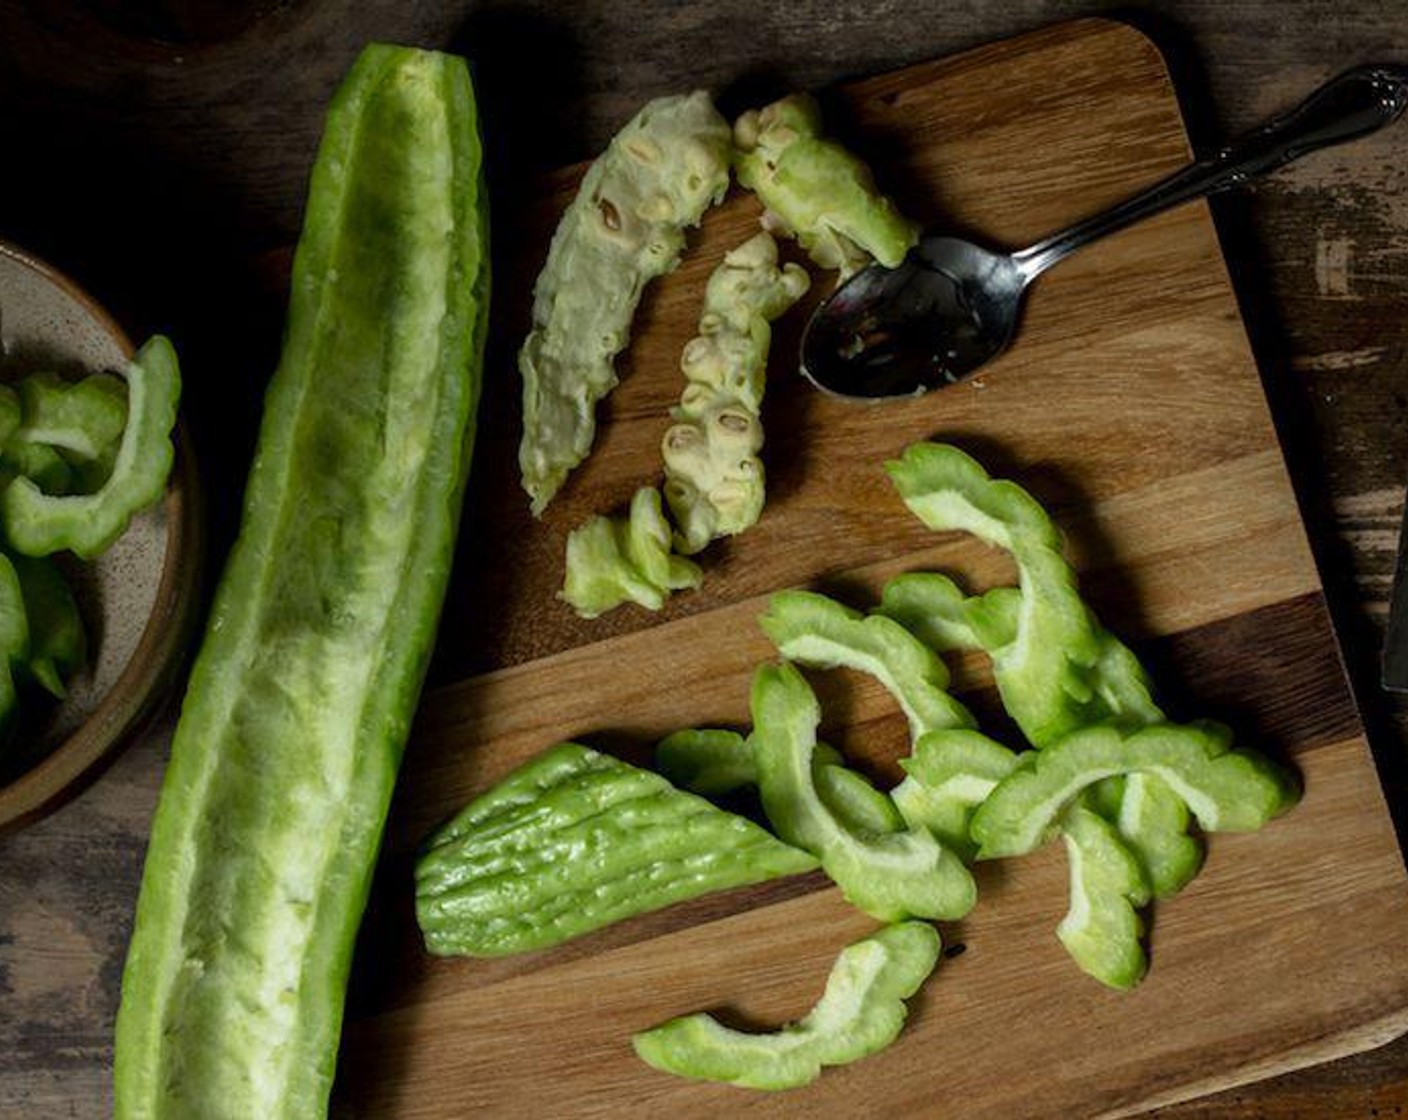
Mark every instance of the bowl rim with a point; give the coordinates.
(152, 668)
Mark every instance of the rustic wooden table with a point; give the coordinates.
(157, 150)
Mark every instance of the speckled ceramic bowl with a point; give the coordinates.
(137, 600)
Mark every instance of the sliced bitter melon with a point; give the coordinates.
(891, 876)
(860, 1013)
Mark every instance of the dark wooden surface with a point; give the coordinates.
(161, 173)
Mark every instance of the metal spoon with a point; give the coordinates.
(952, 306)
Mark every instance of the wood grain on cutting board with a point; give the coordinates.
(1131, 406)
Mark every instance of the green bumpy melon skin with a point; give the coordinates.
(14, 640)
(859, 1014)
(301, 697)
(624, 228)
(1059, 673)
(1043, 673)
(1227, 790)
(573, 841)
(709, 761)
(815, 630)
(1102, 929)
(11, 413)
(41, 635)
(891, 875)
(58, 643)
(817, 191)
(62, 435)
(1151, 818)
(1056, 667)
(82, 420)
(38, 523)
(713, 762)
(948, 775)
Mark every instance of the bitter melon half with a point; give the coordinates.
(301, 696)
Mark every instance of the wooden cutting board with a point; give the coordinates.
(1132, 407)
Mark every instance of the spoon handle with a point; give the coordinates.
(1356, 103)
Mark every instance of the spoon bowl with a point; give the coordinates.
(951, 306)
